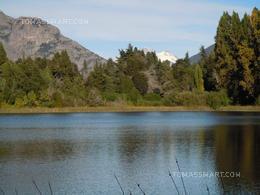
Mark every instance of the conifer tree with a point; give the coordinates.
(255, 23)
(198, 78)
(224, 60)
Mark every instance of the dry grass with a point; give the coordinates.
(11, 110)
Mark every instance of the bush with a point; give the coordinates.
(217, 99)
(19, 102)
(258, 100)
(111, 97)
(133, 96)
(29, 100)
(94, 98)
(57, 99)
(152, 97)
(185, 99)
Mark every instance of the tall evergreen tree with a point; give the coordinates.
(207, 63)
(198, 78)
(236, 57)
(255, 23)
(224, 60)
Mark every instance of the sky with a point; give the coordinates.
(105, 26)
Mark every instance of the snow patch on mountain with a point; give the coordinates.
(166, 55)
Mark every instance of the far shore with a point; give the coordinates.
(39, 110)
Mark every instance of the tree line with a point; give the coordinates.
(228, 75)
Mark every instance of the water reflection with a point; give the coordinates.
(82, 155)
(237, 148)
(47, 150)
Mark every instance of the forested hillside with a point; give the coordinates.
(229, 75)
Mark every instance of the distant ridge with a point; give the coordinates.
(196, 58)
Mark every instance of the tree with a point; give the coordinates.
(3, 56)
(224, 60)
(183, 75)
(255, 23)
(198, 78)
(236, 59)
(62, 67)
(141, 83)
(207, 63)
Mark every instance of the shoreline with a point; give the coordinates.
(42, 110)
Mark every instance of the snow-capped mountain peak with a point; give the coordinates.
(166, 55)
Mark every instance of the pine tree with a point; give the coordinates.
(187, 58)
(223, 51)
(208, 64)
(255, 24)
(237, 57)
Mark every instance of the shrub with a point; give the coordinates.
(19, 102)
(185, 99)
(133, 96)
(111, 97)
(152, 97)
(258, 100)
(217, 99)
(94, 98)
(57, 99)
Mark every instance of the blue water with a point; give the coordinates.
(81, 153)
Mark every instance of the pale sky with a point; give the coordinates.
(109, 25)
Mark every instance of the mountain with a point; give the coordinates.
(196, 58)
(165, 55)
(33, 37)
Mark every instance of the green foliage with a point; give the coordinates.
(3, 56)
(230, 74)
(237, 56)
(57, 99)
(207, 63)
(133, 96)
(258, 100)
(126, 84)
(183, 73)
(94, 98)
(217, 99)
(110, 97)
(185, 98)
(29, 100)
(152, 97)
(198, 79)
(141, 83)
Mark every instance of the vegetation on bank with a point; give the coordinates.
(228, 76)
(87, 109)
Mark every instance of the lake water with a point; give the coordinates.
(81, 153)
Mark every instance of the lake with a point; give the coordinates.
(82, 153)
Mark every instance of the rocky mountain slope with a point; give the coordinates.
(33, 37)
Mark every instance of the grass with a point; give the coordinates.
(11, 110)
